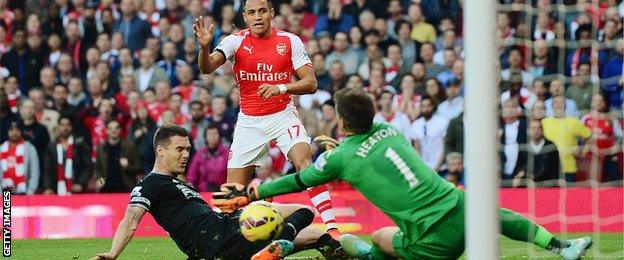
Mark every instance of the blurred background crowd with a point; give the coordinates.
(85, 84)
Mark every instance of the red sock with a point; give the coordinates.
(319, 196)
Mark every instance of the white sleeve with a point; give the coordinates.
(228, 46)
(299, 55)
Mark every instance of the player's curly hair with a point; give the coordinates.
(356, 109)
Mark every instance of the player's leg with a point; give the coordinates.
(301, 155)
(297, 218)
(249, 147)
(383, 246)
(294, 142)
(240, 175)
(517, 227)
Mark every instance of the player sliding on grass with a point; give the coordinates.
(265, 60)
(381, 164)
(197, 230)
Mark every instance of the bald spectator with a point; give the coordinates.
(543, 63)
(65, 68)
(34, 132)
(43, 115)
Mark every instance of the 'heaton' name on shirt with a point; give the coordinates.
(367, 145)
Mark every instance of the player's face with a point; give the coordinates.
(176, 154)
(258, 15)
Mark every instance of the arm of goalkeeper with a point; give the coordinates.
(234, 196)
(327, 142)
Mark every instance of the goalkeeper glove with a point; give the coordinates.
(327, 142)
(234, 196)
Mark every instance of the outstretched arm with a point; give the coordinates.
(207, 62)
(124, 232)
(234, 196)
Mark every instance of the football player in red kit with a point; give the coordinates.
(265, 60)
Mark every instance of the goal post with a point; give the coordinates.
(480, 128)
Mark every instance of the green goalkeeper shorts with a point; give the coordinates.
(444, 240)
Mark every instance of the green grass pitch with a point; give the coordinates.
(608, 246)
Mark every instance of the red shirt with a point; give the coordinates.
(186, 92)
(263, 61)
(602, 129)
(156, 109)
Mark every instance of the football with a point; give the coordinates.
(259, 223)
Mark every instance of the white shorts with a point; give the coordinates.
(252, 134)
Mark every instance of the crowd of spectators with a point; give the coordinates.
(85, 84)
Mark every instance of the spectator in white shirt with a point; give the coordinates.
(454, 103)
(390, 114)
(427, 134)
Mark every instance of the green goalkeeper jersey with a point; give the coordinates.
(383, 166)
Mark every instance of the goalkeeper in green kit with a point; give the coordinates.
(377, 160)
